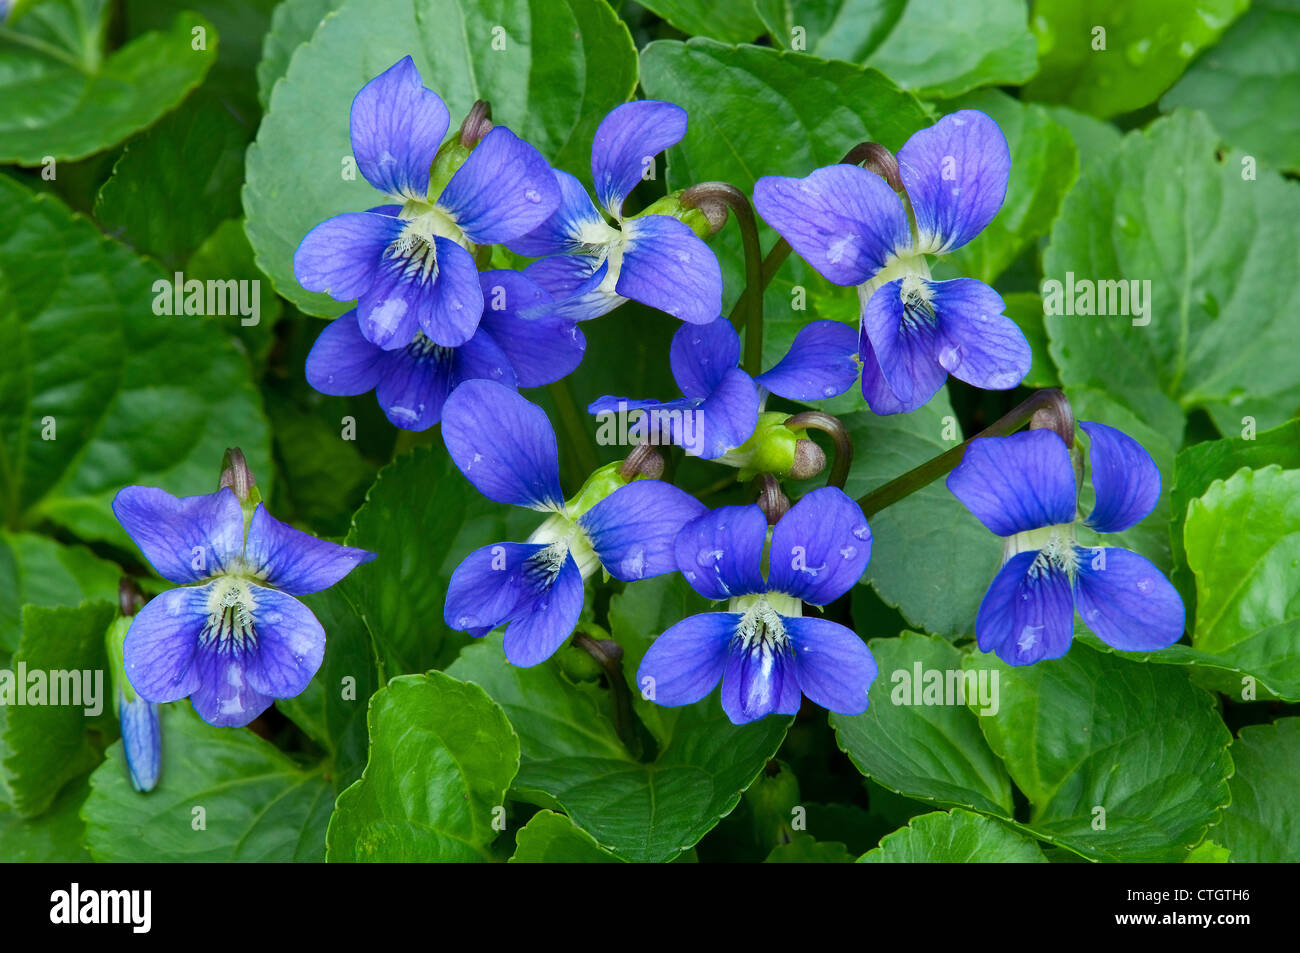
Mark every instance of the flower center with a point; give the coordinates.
(907, 264)
(1055, 546)
(562, 537)
(423, 349)
(231, 604)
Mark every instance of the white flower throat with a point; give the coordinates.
(231, 605)
(1055, 546)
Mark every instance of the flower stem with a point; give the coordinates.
(608, 654)
(720, 193)
(576, 434)
(1044, 408)
(834, 428)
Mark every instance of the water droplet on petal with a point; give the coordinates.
(532, 195)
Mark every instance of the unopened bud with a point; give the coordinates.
(644, 461)
(477, 124)
(236, 474)
(809, 460)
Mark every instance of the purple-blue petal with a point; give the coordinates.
(541, 348)
(1124, 477)
(667, 266)
(955, 173)
(1016, 483)
(977, 343)
(563, 231)
(158, 652)
(759, 680)
(503, 444)
(388, 312)
(451, 314)
(725, 419)
(342, 255)
(289, 647)
(224, 698)
(844, 221)
(685, 663)
(700, 354)
(504, 190)
(1027, 615)
(487, 586)
(904, 343)
(820, 548)
(632, 530)
(397, 127)
(419, 379)
(546, 618)
(721, 553)
(626, 142)
(342, 363)
(415, 385)
(834, 665)
(822, 362)
(1126, 601)
(294, 561)
(875, 390)
(185, 538)
(578, 285)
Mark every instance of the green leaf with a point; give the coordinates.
(929, 529)
(1260, 824)
(564, 66)
(1215, 251)
(332, 708)
(67, 98)
(572, 758)
(550, 838)
(1092, 733)
(1113, 56)
(939, 48)
(193, 162)
(1026, 309)
(100, 392)
(292, 24)
(1248, 84)
(823, 109)
(1094, 138)
(37, 570)
(224, 255)
(732, 21)
(805, 850)
(1208, 852)
(62, 655)
(224, 795)
(918, 737)
(1199, 465)
(400, 594)
(1044, 164)
(241, 24)
(1243, 544)
(949, 837)
(54, 837)
(442, 756)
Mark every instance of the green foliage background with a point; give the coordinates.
(145, 137)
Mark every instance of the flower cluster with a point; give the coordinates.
(426, 319)
(444, 335)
